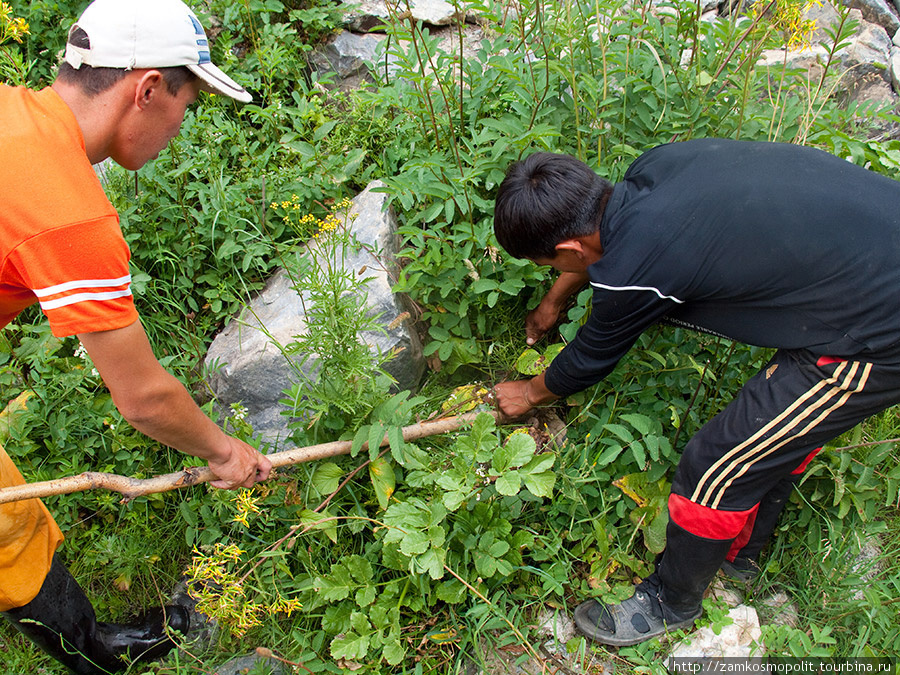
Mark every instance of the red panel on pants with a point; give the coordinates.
(703, 521)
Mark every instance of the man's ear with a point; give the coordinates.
(149, 86)
(575, 246)
(587, 249)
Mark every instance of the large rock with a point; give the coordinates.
(246, 362)
(878, 12)
(862, 71)
(826, 18)
(865, 66)
(346, 57)
(868, 52)
(895, 68)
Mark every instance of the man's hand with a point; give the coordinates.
(517, 397)
(512, 398)
(543, 317)
(244, 466)
(540, 320)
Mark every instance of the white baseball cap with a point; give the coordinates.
(148, 34)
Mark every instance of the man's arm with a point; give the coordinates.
(157, 404)
(543, 317)
(618, 317)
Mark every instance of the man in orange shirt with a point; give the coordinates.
(131, 69)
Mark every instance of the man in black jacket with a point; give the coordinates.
(770, 244)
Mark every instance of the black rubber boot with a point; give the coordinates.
(687, 568)
(61, 621)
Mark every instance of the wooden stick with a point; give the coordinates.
(137, 487)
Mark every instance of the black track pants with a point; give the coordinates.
(747, 546)
(737, 471)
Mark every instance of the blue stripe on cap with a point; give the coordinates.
(202, 43)
(203, 58)
(197, 27)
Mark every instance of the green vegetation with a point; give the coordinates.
(433, 552)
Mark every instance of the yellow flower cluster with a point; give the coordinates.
(292, 205)
(11, 28)
(245, 504)
(217, 590)
(330, 224)
(307, 221)
(308, 225)
(788, 17)
(284, 606)
(220, 593)
(212, 567)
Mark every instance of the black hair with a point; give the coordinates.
(93, 81)
(545, 199)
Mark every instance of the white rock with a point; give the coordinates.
(736, 639)
(879, 12)
(867, 562)
(246, 363)
(368, 15)
(794, 58)
(556, 624)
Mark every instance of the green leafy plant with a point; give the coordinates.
(444, 534)
(339, 376)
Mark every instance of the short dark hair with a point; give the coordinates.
(93, 81)
(545, 199)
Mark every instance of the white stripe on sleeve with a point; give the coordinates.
(81, 283)
(67, 300)
(637, 288)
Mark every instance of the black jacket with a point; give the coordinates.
(770, 244)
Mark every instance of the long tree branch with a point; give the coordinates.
(136, 487)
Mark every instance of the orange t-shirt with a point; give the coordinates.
(60, 241)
